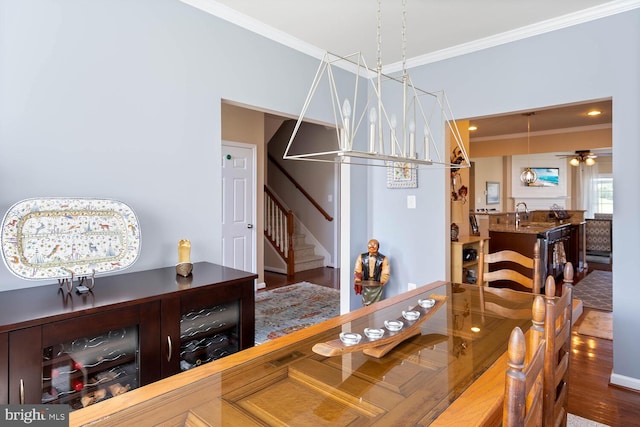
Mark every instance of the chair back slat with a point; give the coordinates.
(506, 261)
(558, 349)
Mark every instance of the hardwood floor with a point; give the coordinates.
(590, 394)
(323, 276)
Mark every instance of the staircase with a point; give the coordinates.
(306, 258)
(279, 231)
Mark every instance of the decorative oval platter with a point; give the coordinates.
(55, 238)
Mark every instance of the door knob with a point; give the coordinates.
(249, 225)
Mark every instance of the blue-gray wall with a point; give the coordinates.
(595, 60)
(121, 99)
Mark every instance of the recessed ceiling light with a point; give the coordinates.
(473, 127)
(594, 113)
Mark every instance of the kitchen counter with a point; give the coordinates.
(532, 222)
(559, 242)
(526, 228)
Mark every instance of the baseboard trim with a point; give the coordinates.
(275, 270)
(624, 381)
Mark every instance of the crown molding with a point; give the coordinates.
(258, 27)
(571, 19)
(253, 25)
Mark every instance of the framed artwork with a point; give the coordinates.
(402, 175)
(547, 177)
(493, 193)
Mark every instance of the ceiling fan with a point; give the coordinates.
(582, 156)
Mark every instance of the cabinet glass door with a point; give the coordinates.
(208, 334)
(89, 369)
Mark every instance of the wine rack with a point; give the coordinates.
(131, 330)
(208, 334)
(90, 369)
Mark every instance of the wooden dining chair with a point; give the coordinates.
(486, 277)
(558, 349)
(504, 302)
(524, 382)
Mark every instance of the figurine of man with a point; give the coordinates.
(371, 273)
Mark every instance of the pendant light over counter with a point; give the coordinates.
(528, 176)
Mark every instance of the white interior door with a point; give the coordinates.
(238, 206)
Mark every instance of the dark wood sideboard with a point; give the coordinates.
(132, 329)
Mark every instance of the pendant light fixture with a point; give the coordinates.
(528, 176)
(409, 126)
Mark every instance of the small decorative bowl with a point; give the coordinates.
(411, 315)
(373, 333)
(427, 302)
(393, 325)
(350, 338)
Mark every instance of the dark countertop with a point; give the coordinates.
(28, 306)
(525, 228)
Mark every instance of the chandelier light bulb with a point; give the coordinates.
(589, 161)
(427, 156)
(346, 109)
(574, 161)
(412, 139)
(392, 137)
(373, 115)
(346, 114)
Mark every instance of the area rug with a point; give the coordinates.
(576, 421)
(284, 310)
(596, 290)
(597, 324)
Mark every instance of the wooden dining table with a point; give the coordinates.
(450, 373)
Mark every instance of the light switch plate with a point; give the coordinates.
(411, 202)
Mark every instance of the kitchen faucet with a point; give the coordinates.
(526, 211)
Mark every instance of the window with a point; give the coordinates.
(603, 187)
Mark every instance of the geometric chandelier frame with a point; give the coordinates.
(414, 138)
(390, 139)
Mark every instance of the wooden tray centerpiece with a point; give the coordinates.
(379, 347)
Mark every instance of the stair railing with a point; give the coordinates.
(302, 190)
(278, 229)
